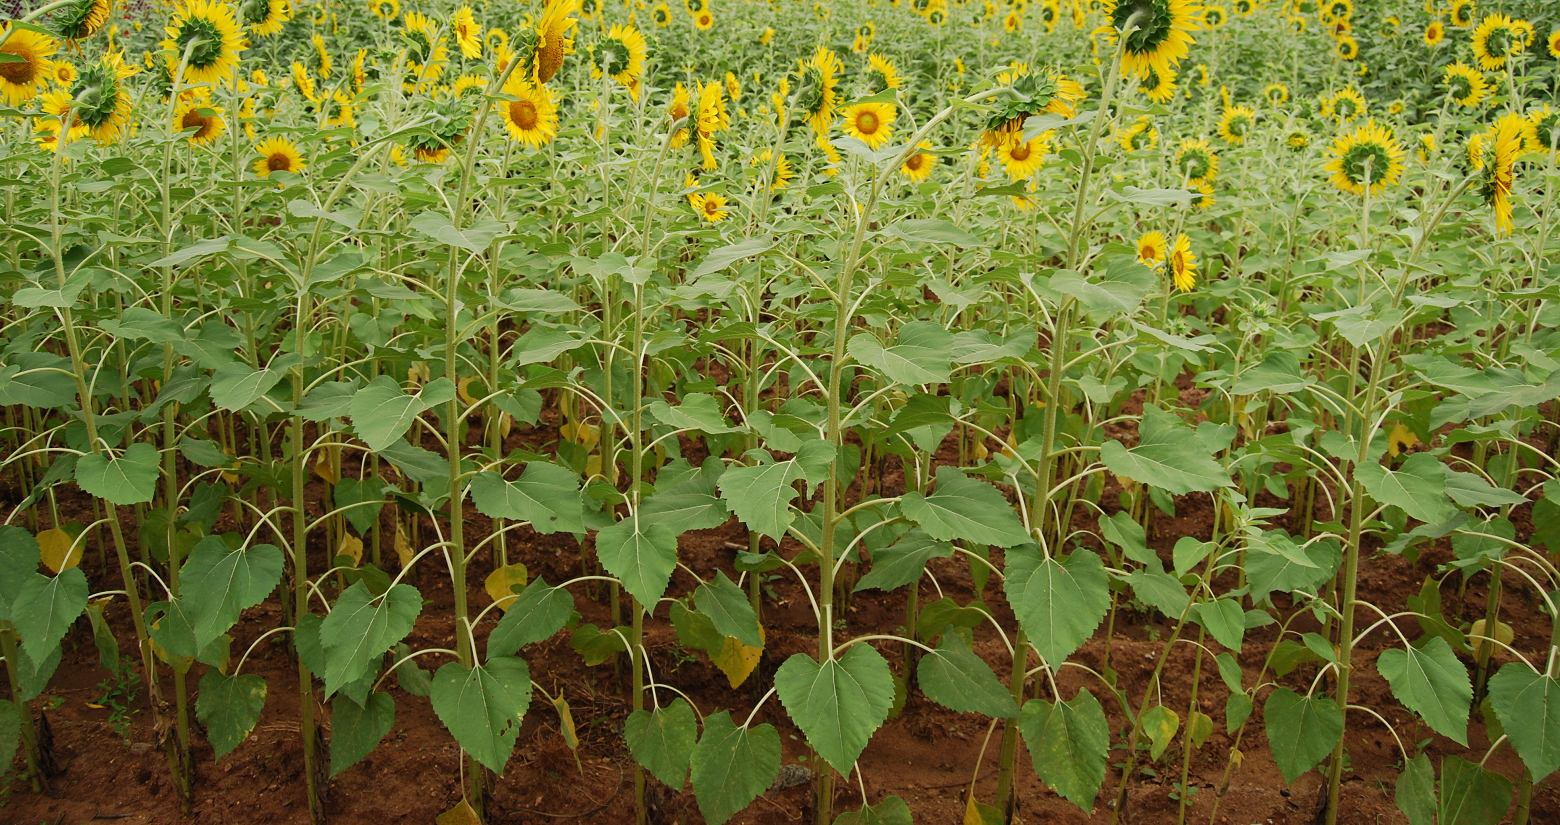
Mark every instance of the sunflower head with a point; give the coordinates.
(1152, 249)
(196, 115)
(1497, 39)
(1159, 86)
(1346, 47)
(385, 9)
(1369, 157)
(817, 79)
(82, 19)
(621, 54)
(1197, 162)
(448, 119)
(1183, 264)
(1298, 139)
(278, 155)
(703, 19)
(1435, 33)
(210, 33)
(1506, 141)
(468, 33)
(1276, 94)
(532, 116)
(99, 102)
(1462, 13)
(1347, 105)
(1554, 44)
(662, 15)
(870, 123)
(1466, 84)
(28, 69)
(918, 167)
(1213, 16)
(1160, 37)
(1546, 128)
(1236, 124)
(553, 38)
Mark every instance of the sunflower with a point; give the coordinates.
(1160, 88)
(553, 40)
(449, 121)
(703, 20)
(218, 40)
(1276, 93)
(194, 111)
(1435, 33)
(1496, 39)
(918, 167)
(1346, 47)
(1347, 105)
(1546, 126)
(881, 74)
(1140, 136)
(21, 80)
(468, 35)
(1426, 147)
(1504, 145)
(467, 83)
(1370, 153)
(532, 117)
(385, 9)
(622, 54)
(46, 133)
(1197, 162)
(818, 79)
(782, 173)
(1152, 249)
(1244, 8)
(870, 123)
(778, 97)
(302, 81)
(1214, 16)
(99, 103)
(278, 155)
(266, 17)
(1050, 13)
(338, 111)
(64, 73)
(1235, 124)
(1554, 44)
(1336, 10)
(426, 56)
(766, 36)
(1161, 40)
(679, 110)
(359, 69)
(1298, 139)
(1022, 158)
(709, 119)
(711, 208)
(662, 15)
(694, 6)
(322, 62)
(863, 38)
(496, 39)
(1013, 21)
(1462, 13)
(81, 20)
(1466, 84)
(1183, 264)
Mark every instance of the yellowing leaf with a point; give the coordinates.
(1503, 632)
(325, 467)
(593, 465)
(352, 547)
(1012, 445)
(500, 584)
(1160, 723)
(403, 545)
(461, 814)
(419, 374)
(1200, 726)
(977, 814)
(506, 422)
(1400, 439)
(583, 434)
(981, 452)
(737, 660)
(464, 390)
(60, 551)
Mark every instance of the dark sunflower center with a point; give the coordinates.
(1153, 23)
(711, 206)
(1020, 152)
(915, 163)
(278, 162)
(256, 11)
(1361, 155)
(1149, 252)
(208, 42)
(22, 72)
(193, 120)
(867, 123)
(523, 113)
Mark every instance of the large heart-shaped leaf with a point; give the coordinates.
(732, 765)
(964, 508)
(1528, 705)
(45, 608)
(538, 612)
(956, 678)
(218, 584)
(729, 609)
(1301, 730)
(1068, 742)
(128, 478)
(382, 412)
(355, 729)
(229, 707)
(483, 706)
(1418, 486)
(545, 495)
(642, 555)
(361, 627)
(838, 704)
(1167, 456)
(662, 740)
(1430, 681)
(1058, 603)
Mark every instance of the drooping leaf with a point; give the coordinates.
(545, 495)
(1415, 794)
(956, 678)
(483, 706)
(229, 707)
(1528, 706)
(45, 608)
(662, 740)
(1418, 486)
(1301, 730)
(355, 729)
(1059, 604)
(1068, 742)
(126, 479)
(641, 555)
(382, 412)
(1471, 795)
(362, 500)
(1430, 681)
(1167, 456)
(19, 556)
(729, 609)
(919, 356)
(361, 627)
(837, 704)
(732, 765)
(218, 584)
(891, 811)
(536, 614)
(903, 562)
(1161, 724)
(964, 508)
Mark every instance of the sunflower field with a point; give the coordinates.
(983, 411)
